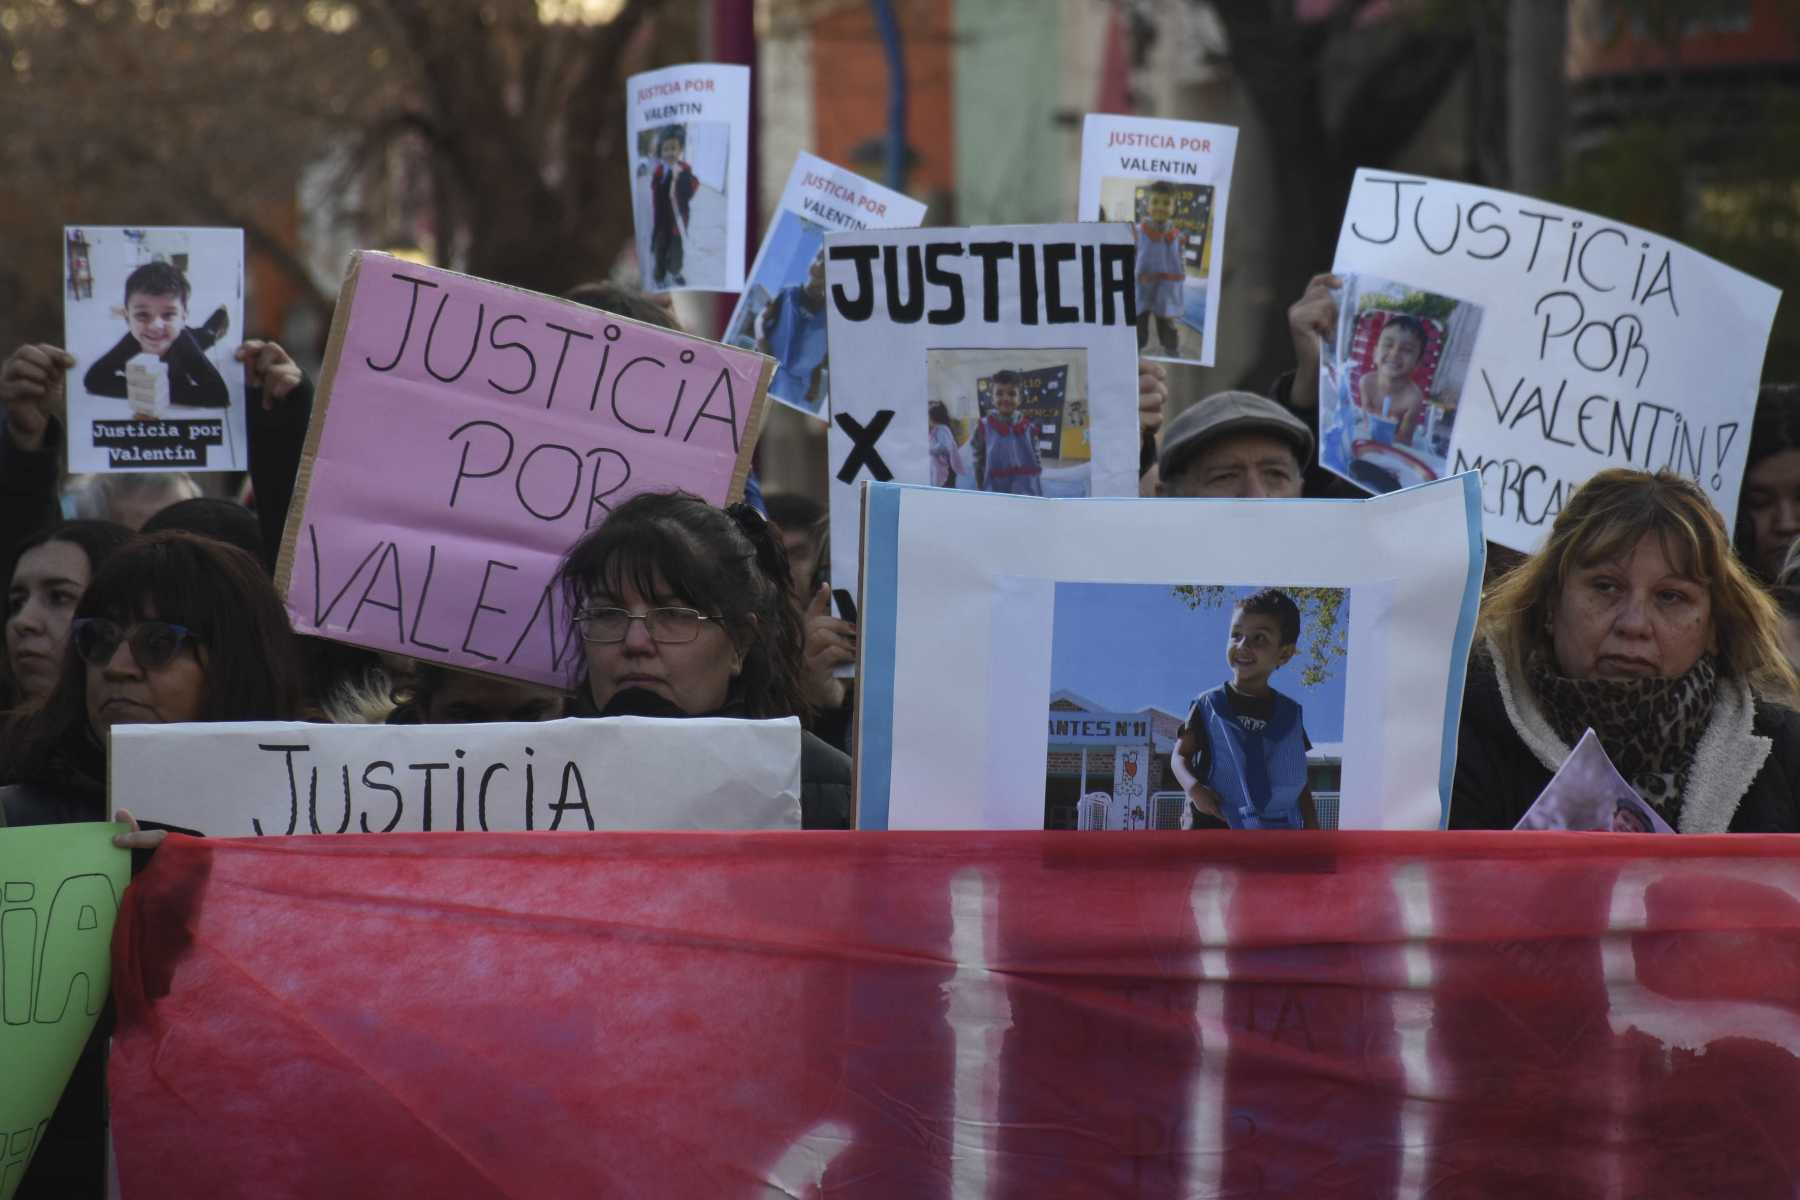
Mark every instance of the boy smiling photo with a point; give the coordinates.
(1241, 754)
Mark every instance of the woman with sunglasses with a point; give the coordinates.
(173, 627)
(683, 610)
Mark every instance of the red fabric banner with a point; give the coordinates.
(968, 1015)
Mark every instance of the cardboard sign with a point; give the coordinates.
(465, 435)
(1568, 344)
(276, 778)
(1587, 792)
(782, 311)
(59, 893)
(1301, 662)
(153, 318)
(1170, 180)
(689, 170)
(999, 359)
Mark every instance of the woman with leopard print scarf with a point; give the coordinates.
(1635, 620)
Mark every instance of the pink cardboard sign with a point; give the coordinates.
(466, 434)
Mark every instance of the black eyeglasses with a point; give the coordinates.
(668, 626)
(153, 643)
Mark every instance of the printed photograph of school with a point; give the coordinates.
(489, 136)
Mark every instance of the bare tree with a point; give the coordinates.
(1347, 89)
(208, 111)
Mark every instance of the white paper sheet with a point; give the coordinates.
(932, 317)
(1599, 345)
(250, 779)
(1122, 159)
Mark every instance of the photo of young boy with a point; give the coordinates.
(156, 314)
(672, 188)
(1010, 421)
(1241, 755)
(1390, 385)
(791, 330)
(153, 317)
(1262, 748)
(1172, 226)
(1007, 458)
(1161, 270)
(680, 205)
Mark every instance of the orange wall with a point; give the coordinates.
(850, 78)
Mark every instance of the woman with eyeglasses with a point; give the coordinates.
(683, 610)
(173, 627)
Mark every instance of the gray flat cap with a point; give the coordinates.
(1223, 414)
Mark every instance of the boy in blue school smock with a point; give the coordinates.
(1241, 755)
(1006, 444)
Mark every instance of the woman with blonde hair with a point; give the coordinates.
(1635, 619)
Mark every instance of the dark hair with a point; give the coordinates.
(625, 302)
(723, 561)
(253, 670)
(792, 511)
(210, 516)
(1774, 429)
(677, 132)
(1410, 324)
(939, 412)
(1272, 602)
(156, 279)
(1000, 377)
(96, 539)
(1162, 187)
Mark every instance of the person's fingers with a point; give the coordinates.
(1327, 280)
(148, 839)
(21, 370)
(820, 604)
(247, 349)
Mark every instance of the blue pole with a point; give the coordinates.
(889, 29)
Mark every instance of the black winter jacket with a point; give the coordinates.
(1745, 780)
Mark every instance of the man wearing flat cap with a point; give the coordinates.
(1234, 444)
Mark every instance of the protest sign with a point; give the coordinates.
(1536, 345)
(1587, 792)
(782, 310)
(275, 778)
(1171, 181)
(153, 318)
(689, 168)
(465, 435)
(922, 1016)
(1065, 666)
(997, 359)
(59, 892)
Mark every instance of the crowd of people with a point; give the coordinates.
(134, 598)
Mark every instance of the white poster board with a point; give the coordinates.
(982, 614)
(1598, 345)
(689, 129)
(1129, 166)
(935, 332)
(782, 310)
(274, 778)
(153, 318)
